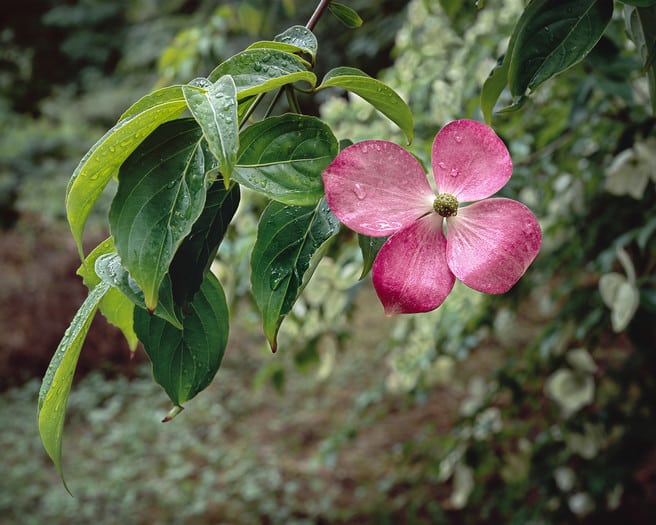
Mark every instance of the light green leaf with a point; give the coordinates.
(494, 86)
(261, 70)
(103, 160)
(347, 16)
(300, 37)
(116, 308)
(379, 95)
(161, 192)
(552, 36)
(288, 246)
(56, 385)
(185, 360)
(283, 158)
(369, 246)
(641, 27)
(214, 106)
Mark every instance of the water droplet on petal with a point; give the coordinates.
(359, 191)
(454, 172)
(442, 165)
(458, 139)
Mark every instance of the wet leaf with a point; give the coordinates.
(379, 95)
(105, 157)
(56, 385)
(288, 246)
(185, 360)
(283, 158)
(161, 193)
(369, 246)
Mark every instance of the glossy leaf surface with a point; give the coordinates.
(369, 246)
(283, 158)
(57, 381)
(379, 95)
(641, 27)
(115, 306)
(553, 35)
(197, 251)
(105, 157)
(185, 360)
(214, 106)
(288, 238)
(345, 15)
(260, 70)
(161, 193)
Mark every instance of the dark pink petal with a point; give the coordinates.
(470, 161)
(410, 273)
(491, 243)
(376, 187)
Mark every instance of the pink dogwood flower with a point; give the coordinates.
(377, 188)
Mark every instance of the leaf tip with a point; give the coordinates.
(172, 413)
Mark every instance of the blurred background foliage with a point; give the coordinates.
(533, 407)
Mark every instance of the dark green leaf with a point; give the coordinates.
(186, 360)
(161, 193)
(288, 247)
(283, 158)
(103, 160)
(109, 269)
(640, 3)
(214, 106)
(370, 246)
(260, 70)
(641, 27)
(196, 253)
(379, 95)
(347, 16)
(115, 306)
(57, 381)
(553, 35)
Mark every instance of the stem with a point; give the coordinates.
(321, 7)
(292, 100)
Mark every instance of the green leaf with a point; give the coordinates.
(103, 160)
(369, 246)
(640, 3)
(494, 86)
(261, 70)
(641, 27)
(115, 306)
(296, 40)
(109, 269)
(379, 95)
(57, 381)
(345, 15)
(552, 36)
(214, 106)
(161, 193)
(283, 158)
(288, 246)
(197, 251)
(186, 360)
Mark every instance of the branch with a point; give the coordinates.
(321, 7)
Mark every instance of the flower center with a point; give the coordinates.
(445, 205)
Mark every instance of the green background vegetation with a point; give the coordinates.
(533, 407)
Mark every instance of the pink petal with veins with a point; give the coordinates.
(470, 161)
(376, 188)
(491, 243)
(410, 273)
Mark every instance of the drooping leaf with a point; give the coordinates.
(105, 157)
(641, 27)
(115, 306)
(261, 70)
(109, 269)
(161, 192)
(196, 253)
(57, 381)
(214, 106)
(494, 86)
(288, 247)
(378, 94)
(552, 36)
(640, 3)
(347, 16)
(283, 158)
(369, 246)
(186, 360)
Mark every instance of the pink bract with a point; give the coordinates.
(378, 189)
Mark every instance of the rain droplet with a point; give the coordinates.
(442, 165)
(278, 275)
(359, 191)
(458, 139)
(454, 172)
